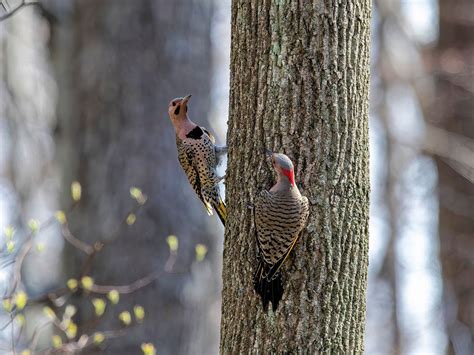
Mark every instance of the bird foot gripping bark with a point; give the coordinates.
(221, 150)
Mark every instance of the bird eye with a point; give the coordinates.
(174, 103)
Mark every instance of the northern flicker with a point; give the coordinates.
(280, 215)
(198, 156)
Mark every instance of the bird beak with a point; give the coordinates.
(268, 153)
(185, 99)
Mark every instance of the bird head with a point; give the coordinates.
(177, 108)
(283, 166)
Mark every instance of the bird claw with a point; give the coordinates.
(221, 150)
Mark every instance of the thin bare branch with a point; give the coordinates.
(126, 289)
(457, 149)
(36, 334)
(75, 242)
(86, 341)
(99, 245)
(13, 335)
(25, 249)
(171, 261)
(3, 327)
(20, 6)
(20, 258)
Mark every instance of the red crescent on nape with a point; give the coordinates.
(290, 174)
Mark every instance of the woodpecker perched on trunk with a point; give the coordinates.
(198, 156)
(280, 216)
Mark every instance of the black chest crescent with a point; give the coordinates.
(196, 133)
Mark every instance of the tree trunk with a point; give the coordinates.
(119, 66)
(453, 112)
(299, 85)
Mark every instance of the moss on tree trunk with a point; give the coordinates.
(300, 85)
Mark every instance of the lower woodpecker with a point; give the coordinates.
(280, 216)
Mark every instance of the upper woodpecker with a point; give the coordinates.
(280, 216)
(197, 154)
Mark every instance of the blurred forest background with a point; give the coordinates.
(84, 91)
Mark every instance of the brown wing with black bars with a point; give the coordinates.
(279, 219)
(197, 156)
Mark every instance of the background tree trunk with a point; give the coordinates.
(299, 85)
(119, 64)
(453, 112)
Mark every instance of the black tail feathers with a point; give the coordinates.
(270, 289)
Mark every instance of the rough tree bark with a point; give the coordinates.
(119, 63)
(299, 85)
